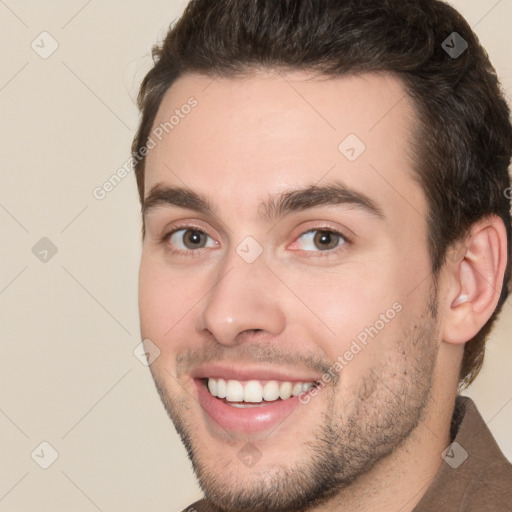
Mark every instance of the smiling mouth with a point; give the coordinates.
(254, 393)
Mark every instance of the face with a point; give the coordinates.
(286, 282)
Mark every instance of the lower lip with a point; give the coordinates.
(248, 419)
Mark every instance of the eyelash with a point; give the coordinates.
(315, 254)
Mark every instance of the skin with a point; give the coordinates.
(373, 437)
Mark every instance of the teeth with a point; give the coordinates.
(234, 391)
(254, 392)
(221, 387)
(307, 385)
(297, 389)
(285, 390)
(243, 405)
(212, 386)
(271, 391)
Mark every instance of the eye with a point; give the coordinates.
(320, 240)
(190, 239)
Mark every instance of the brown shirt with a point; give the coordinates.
(474, 477)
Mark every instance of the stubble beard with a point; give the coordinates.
(355, 434)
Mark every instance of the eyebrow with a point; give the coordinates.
(278, 206)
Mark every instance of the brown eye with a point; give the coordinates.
(320, 240)
(190, 239)
(194, 239)
(325, 240)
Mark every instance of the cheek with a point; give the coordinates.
(345, 301)
(355, 315)
(151, 298)
(166, 303)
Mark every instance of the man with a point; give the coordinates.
(325, 249)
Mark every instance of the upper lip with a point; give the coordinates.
(241, 373)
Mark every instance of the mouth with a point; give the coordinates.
(243, 401)
(254, 393)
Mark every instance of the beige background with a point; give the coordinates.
(69, 326)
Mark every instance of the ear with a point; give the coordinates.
(475, 280)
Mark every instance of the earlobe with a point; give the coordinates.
(476, 281)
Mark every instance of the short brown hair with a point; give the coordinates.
(464, 140)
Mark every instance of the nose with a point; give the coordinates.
(244, 297)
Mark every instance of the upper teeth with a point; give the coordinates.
(254, 391)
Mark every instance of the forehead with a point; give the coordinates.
(247, 137)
